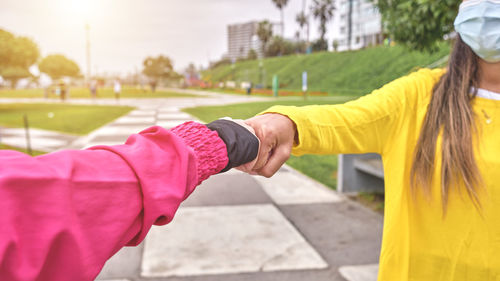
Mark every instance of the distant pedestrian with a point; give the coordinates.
(153, 86)
(62, 90)
(117, 89)
(387, 42)
(249, 88)
(93, 88)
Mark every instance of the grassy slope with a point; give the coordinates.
(323, 168)
(72, 119)
(346, 73)
(127, 92)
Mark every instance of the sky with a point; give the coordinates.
(124, 32)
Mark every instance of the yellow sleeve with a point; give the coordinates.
(360, 126)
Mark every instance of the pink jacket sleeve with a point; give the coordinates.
(63, 214)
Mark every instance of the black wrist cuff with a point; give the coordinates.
(242, 145)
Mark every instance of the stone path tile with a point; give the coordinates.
(175, 116)
(113, 129)
(170, 123)
(96, 143)
(135, 120)
(37, 143)
(169, 109)
(288, 186)
(285, 275)
(40, 140)
(140, 113)
(126, 263)
(128, 125)
(34, 133)
(227, 239)
(117, 139)
(222, 190)
(360, 272)
(344, 233)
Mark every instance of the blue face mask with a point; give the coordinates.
(478, 23)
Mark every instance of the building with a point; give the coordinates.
(241, 38)
(366, 27)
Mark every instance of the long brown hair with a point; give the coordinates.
(450, 114)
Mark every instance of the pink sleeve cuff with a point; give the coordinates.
(210, 150)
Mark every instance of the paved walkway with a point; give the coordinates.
(241, 227)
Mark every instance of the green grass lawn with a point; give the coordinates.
(322, 168)
(79, 93)
(70, 119)
(8, 147)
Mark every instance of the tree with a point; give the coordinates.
(157, 69)
(252, 55)
(14, 74)
(418, 25)
(17, 54)
(349, 24)
(335, 45)
(280, 4)
(300, 46)
(279, 47)
(319, 45)
(301, 19)
(323, 11)
(297, 35)
(57, 66)
(265, 33)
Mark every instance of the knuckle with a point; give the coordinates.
(267, 174)
(268, 171)
(257, 166)
(286, 157)
(288, 152)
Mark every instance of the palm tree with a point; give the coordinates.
(323, 11)
(265, 33)
(280, 4)
(349, 25)
(301, 19)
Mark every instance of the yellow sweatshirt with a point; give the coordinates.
(418, 242)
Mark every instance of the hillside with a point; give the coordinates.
(345, 73)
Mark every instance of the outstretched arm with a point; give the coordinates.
(360, 126)
(63, 214)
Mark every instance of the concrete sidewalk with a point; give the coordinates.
(241, 227)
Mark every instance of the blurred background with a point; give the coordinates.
(185, 43)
